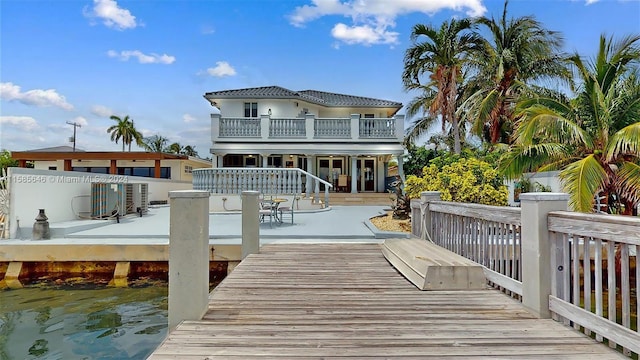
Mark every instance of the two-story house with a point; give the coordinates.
(326, 134)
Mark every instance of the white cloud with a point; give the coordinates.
(589, 2)
(364, 34)
(188, 118)
(373, 19)
(142, 58)
(37, 97)
(101, 110)
(221, 69)
(111, 14)
(80, 121)
(25, 123)
(207, 30)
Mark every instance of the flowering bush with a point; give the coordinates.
(465, 180)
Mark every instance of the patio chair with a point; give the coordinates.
(264, 211)
(287, 209)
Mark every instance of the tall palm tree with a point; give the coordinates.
(441, 53)
(594, 138)
(120, 131)
(155, 143)
(134, 135)
(518, 53)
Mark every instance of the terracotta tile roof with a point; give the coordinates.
(313, 96)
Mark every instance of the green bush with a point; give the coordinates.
(460, 179)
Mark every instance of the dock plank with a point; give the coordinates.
(318, 301)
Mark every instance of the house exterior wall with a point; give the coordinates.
(180, 169)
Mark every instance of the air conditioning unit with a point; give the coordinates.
(137, 198)
(107, 200)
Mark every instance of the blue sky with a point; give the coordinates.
(82, 61)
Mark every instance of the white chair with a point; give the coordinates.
(287, 209)
(264, 211)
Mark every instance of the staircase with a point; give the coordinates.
(361, 199)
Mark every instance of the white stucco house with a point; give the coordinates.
(326, 134)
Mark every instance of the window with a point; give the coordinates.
(53, 168)
(188, 169)
(250, 109)
(302, 163)
(232, 161)
(275, 161)
(369, 116)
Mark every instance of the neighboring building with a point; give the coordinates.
(147, 164)
(326, 134)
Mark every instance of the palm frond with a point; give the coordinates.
(625, 142)
(521, 159)
(582, 180)
(628, 182)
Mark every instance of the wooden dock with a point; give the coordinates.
(345, 300)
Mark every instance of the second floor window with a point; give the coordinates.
(250, 109)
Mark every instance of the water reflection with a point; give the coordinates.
(111, 323)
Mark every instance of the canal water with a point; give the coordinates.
(68, 323)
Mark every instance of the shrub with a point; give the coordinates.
(462, 180)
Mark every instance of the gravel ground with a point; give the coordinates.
(388, 223)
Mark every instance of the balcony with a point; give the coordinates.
(268, 129)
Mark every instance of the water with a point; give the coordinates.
(107, 323)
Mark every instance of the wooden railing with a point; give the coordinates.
(594, 287)
(264, 180)
(580, 269)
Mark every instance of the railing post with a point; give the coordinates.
(536, 249)
(309, 126)
(426, 197)
(355, 126)
(265, 125)
(188, 255)
(250, 223)
(399, 127)
(215, 127)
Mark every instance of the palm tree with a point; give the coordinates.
(442, 53)
(520, 52)
(190, 151)
(125, 130)
(175, 148)
(594, 139)
(120, 130)
(155, 143)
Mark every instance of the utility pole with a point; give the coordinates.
(75, 125)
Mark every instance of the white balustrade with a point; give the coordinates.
(240, 127)
(378, 128)
(332, 128)
(287, 128)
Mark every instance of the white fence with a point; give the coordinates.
(580, 269)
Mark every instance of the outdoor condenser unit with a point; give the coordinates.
(107, 200)
(137, 198)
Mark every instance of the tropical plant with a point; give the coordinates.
(594, 139)
(6, 160)
(190, 151)
(441, 53)
(419, 157)
(126, 131)
(464, 180)
(175, 148)
(519, 53)
(155, 143)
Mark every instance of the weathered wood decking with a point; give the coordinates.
(339, 300)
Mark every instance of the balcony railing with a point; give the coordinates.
(266, 128)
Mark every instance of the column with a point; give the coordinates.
(536, 249)
(113, 167)
(67, 165)
(354, 174)
(355, 126)
(188, 255)
(156, 172)
(250, 223)
(265, 160)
